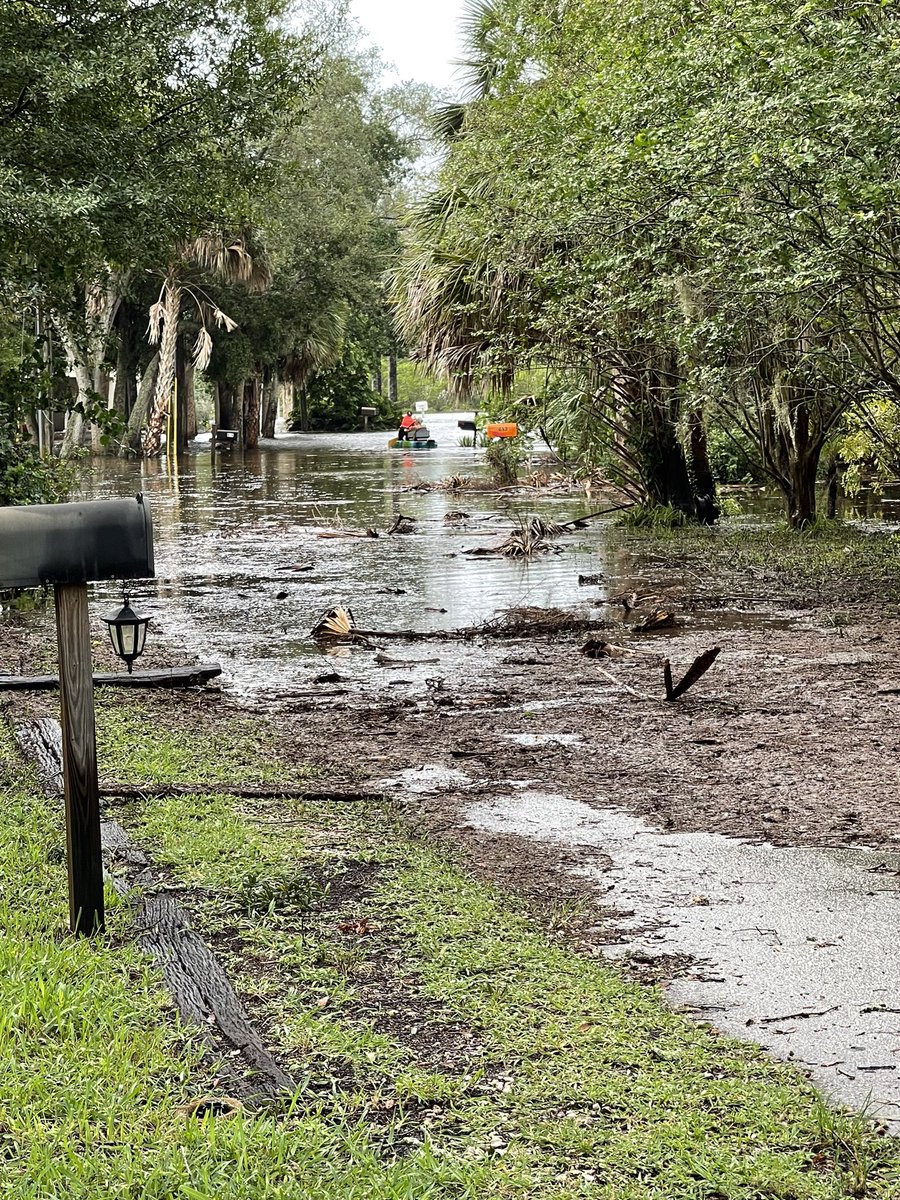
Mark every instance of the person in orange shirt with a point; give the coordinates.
(405, 425)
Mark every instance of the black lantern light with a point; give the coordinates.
(127, 632)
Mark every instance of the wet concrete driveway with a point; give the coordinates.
(793, 948)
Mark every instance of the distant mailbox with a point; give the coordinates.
(75, 543)
(368, 412)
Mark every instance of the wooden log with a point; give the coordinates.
(195, 978)
(141, 791)
(41, 740)
(199, 985)
(167, 677)
(79, 756)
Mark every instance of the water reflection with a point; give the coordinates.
(229, 527)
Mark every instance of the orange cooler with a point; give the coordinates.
(502, 429)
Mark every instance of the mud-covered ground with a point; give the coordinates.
(792, 736)
(535, 763)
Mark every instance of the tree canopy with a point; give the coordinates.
(684, 210)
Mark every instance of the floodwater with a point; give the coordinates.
(796, 945)
(228, 530)
(796, 948)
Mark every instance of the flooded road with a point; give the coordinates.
(228, 529)
(793, 947)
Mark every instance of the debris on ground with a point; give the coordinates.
(533, 621)
(402, 524)
(659, 618)
(347, 533)
(338, 622)
(697, 670)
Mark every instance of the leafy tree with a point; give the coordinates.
(128, 127)
(687, 214)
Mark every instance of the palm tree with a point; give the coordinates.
(225, 259)
(480, 68)
(320, 350)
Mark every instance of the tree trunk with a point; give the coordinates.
(179, 394)
(190, 404)
(251, 411)
(791, 450)
(663, 463)
(269, 405)
(705, 500)
(86, 355)
(303, 410)
(131, 444)
(165, 380)
(126, 387)
(377, 382)
(801, 492)
(392, 381)
(226, 406)
(103, 391)
(76, 432)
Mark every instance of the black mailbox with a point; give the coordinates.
(75, 543)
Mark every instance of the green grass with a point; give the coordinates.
(827, 563)
(573, 1082)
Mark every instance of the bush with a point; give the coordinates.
(504, 457)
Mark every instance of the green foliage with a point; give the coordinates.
(25, 386)
(415, 383)
(639, 201)
(732, 456)
(128, 124)
(334, 396)
(322, 322)
(868, 445)
(652, 516)
(504, 457)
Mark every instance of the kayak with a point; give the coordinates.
(421, 444)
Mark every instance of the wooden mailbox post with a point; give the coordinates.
(68, 546)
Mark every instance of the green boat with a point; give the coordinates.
(418, 444)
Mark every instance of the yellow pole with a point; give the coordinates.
(175, 421)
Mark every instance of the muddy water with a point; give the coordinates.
(781, 931)
(796, 947)
(228, 529)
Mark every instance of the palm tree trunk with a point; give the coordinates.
(269, 406)
(165, 380)
(190, 404)
(251, 419)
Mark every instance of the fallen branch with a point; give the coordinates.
(348, 533)
(624, 686)
(141, 791)
(169, 677)
(697, 670)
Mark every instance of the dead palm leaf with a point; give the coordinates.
(338, 622)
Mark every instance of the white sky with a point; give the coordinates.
(420, 37)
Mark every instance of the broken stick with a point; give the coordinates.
(695, 671)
